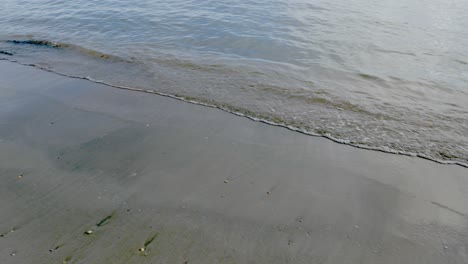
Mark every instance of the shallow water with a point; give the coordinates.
(389, 75)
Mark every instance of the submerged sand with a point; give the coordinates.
(94, 174)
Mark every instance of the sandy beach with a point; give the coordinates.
(95, 174)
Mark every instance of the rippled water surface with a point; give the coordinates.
(388, 75)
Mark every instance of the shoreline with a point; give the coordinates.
(191, 184)
(239, 113)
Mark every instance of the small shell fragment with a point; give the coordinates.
(89, 232)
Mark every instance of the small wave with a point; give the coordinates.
(268, 117)
(275, 121)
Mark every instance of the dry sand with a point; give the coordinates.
(191, 184)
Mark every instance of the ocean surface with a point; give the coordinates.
(385, 75)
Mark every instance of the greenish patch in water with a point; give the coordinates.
(45, 43)
(369, 77)
(272, 89)
(59, 246)
(105, 220)
(258, 73)
(194, 66)
(321, 92)
(318, 100)
(322, 131)
(346, 106)
(96, 54)
(447, 155)
(58, 45)
(150, 240)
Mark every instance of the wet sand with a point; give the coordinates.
(156, 180)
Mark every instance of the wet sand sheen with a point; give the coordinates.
(92, 174)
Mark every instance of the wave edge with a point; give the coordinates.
(253, 118)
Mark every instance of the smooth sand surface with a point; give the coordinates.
(192, 184)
